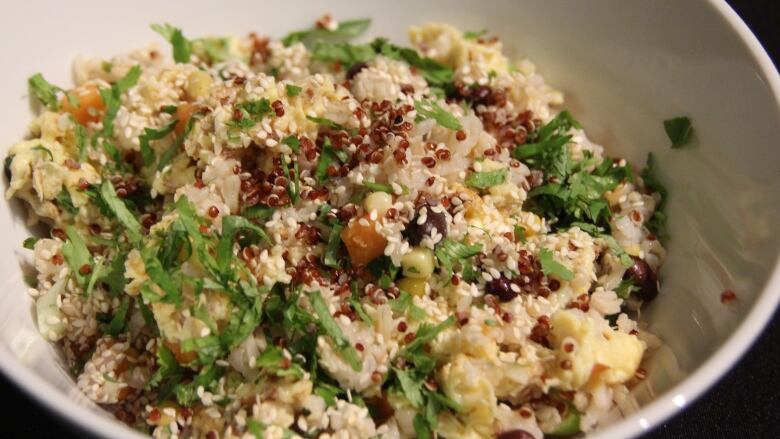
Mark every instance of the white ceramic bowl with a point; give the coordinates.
(625, 67)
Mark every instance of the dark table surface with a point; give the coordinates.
(745, 402)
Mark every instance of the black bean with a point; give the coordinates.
(355, 69)
(643, 277)
(515, 434)
(501, 288)
(481, 94)
(433, 220)
(7, 167)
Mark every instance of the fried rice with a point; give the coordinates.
(309, 237)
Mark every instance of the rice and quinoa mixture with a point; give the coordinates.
(308, 237)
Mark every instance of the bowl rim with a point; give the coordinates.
(672, 401)
(644, 420)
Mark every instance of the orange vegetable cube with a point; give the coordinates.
(363, 242)
(181, 356)
(183, 113)
(91, 105)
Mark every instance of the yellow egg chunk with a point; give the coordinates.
(598, 355)
(464, 383)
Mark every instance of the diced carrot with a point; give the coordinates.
(363, 242)
(183, 113)
(91, 105)
(124, 393)
(597, 370)
(181, 356)
(126, 363)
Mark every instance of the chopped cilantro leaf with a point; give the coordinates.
(76, 254)
(231, 225)
(360, 311)
(147, 153)
(343, 53)
(520, 233)
(435, 73)
(473, 35)
(168, 154)
(44, 91)
(120, 211)
(43, 149)
(328, 392)
(378, 187)
(331, 256)
(401, 303)
(552, 267)
(293, 90)
(115, 278)
(331, 124)
(426, 334)
(182, 48)
(168, 367)
(29, 243)
(625, 288)
(342, 155)
(449, 252)
(259, 212)
(80, 136)
(618, 251)
(160, 276)
(293, 142)
(657, 222)
(65, 202)
(293, 180)
(128, 81)
(175, 247)
(679, 130)
(484, 180)
(613, 245)
(329, 326)
(327, 156)
(354, 300)
(549, 152)
(410, 387)
(421, 427)
(428, 109)
(252, 112)
(212, 50)
(97, 272)
(117, 323)
(345, 30)
(112, 98)
(416, 313)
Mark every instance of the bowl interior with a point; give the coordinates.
(624, 67)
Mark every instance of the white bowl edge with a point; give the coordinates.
(717, 366)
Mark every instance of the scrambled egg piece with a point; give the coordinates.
(600, 355)
(465, 383)
(39, 171)
(446, 44)
(574, 249)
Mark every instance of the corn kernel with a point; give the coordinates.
(380, 202)
(418, 263)
(412, 285)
